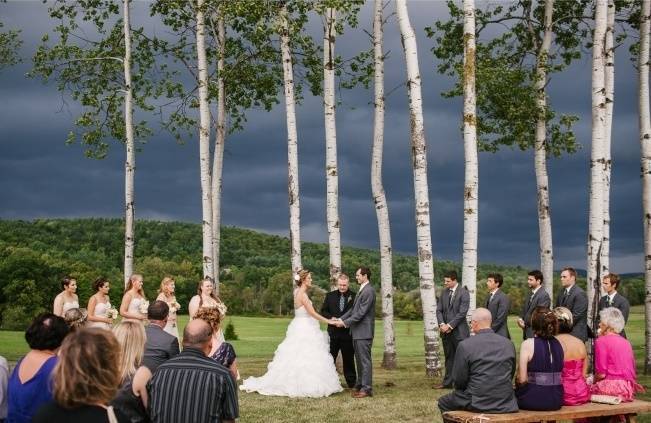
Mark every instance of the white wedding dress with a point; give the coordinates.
(302, 365)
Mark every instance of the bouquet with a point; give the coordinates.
(144, 306)
(174, 307)
(112, 313)
(221, 307)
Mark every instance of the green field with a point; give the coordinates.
(404, 394)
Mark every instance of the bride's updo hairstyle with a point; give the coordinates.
(300, 277)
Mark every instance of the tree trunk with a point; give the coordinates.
(421, 194)
(471, 179)
(610, 98)
(379, 198)
(218, 154)
(204, 143)
(540, 157)
(595, 232)
(292, 144)
(332, 174)
(645, 144)
(130, 163)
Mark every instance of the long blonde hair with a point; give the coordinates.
(131, 337)
(130, 284)
(87, 370)
(166, 280)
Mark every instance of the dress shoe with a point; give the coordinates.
(362, 394)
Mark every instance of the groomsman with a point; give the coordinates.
(538, 298)
(451, 310)
(337, 303)
(498, 303)
(575, 299)
(612, 298)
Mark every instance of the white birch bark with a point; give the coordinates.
(379, 197)
(645, 146)
(130, 163)
(421, 193)
(292, 144)
(595, 231)
(218, 153)
(540, 157)
(471, 178)
(610, 98)
(204, 143)
(332, 173)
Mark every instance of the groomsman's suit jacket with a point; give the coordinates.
(577, 302)
(454, 314)
(361, 317)
(619, 303)
(330, 309)
(499, 307)
(160, 347)
(539, 299)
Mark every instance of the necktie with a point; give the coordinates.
(451, 297)
(491, 298)
(342, 302)
(531, 297)
(610, 301)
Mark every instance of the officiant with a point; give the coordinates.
(336, 303)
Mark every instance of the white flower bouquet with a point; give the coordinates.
(144, 306)
(221, 307)
(174, 307)
(112, 313)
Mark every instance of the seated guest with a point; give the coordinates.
(203, 390)
(614, 360)
(85, 379)
(221, 352)
(29, 384)
(75, 318)
(575, 365)
(541, 363)
(4, 378)
(160, 345)
(131, 398)
(484, 365)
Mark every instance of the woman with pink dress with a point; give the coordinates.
(575, 361)
(615, 373)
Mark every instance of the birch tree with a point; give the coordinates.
(332, 172)
(421, 193)
(597, 155)
(609, 76)
(520, 116)
(645, 145)
(379, 197)
(204, 145)
(95, 67)
(471, 177)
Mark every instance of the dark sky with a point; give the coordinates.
(42, 177)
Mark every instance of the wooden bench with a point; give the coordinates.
(591, 409)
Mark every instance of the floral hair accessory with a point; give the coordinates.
(297, 277)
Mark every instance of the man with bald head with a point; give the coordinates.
(483, 370)
(201, 389)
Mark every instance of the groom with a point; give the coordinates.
(361, 321)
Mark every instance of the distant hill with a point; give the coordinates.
(255, 266)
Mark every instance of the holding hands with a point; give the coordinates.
(335, 321)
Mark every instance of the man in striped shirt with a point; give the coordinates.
(192, 387)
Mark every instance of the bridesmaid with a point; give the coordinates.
(206, 298)
(133, 297)
(166, 293)
(99, 305)
(67, 298)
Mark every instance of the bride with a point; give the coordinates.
(302, 365)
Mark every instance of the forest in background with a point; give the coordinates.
(255, 275)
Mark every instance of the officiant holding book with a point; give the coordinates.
(337, 303)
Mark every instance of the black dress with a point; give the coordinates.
(54, 413)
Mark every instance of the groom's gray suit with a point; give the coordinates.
(361, 321)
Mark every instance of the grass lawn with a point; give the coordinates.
(404, 394)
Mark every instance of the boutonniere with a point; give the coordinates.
(350, 298)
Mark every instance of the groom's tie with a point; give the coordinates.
(342, 302)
